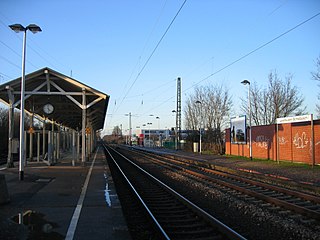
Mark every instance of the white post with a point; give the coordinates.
(44, 139)
(58, 143)
(38, 146)
(31, 139)
(250, 132)
(83, 150)
(25, 148)
(10, 133)
(49, 147)
(200, 141)
(21, 149)
(73, 147)
(78, 145)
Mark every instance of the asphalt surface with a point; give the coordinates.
(62, 202)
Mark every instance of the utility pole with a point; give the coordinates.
(178, 118)
(130, 129)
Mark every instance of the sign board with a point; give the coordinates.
(238, 130)
(302, 118)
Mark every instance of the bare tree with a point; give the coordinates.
(211, 113)
(316, 76)
(278, 99)
(116, 131)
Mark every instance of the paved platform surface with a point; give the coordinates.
(63, 202)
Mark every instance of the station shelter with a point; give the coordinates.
(71, 113)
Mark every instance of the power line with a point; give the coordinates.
(5, 75)
(31, 48)
(244, 56)
(146, 43)
(253, 51)
(8, 61)
(154, 50)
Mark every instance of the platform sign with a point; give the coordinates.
(302, 118)
(238, 130)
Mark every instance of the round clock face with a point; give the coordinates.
(48, 108)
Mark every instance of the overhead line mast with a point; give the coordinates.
(178, 118)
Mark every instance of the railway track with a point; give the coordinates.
(171, 215)
(307, 205)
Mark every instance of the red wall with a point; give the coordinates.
(294, 142)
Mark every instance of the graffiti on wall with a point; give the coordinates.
(282, 140)
(300, 141)
(262, 141)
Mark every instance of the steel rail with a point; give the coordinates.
(230, 233)
(283, 203)
(162, 232)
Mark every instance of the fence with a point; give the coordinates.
(295, 142)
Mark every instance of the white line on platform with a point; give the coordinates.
(77, 211)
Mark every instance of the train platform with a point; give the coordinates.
(62, 202)
(298, 175)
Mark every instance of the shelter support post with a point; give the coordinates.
(53, 152)
(78, 145)
(83, 145)
(25, 148)
(44, 139)
(31, 139)
(58, 142)
(10, 133)
(64, 140)
(73, 147)
(49, 147)
(38, 146)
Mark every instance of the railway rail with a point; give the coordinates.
(172, 215)
(306, 205)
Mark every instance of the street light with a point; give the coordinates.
(246, 82)
(199, 102)
(34, 29)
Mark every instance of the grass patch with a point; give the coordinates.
(281, 163)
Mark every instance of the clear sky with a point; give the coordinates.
(106, 45)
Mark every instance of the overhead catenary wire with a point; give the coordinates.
(31, 48)
(152, 53)
(241, 58)
(253, 51)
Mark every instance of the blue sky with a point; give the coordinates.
(105, 44)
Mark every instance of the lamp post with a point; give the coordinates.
(246, 82)
(199, 102)
(34, 29)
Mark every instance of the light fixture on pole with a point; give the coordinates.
(34, 29)
(246, 82)
(200, 140)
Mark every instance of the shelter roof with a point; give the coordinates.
(68, 96)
